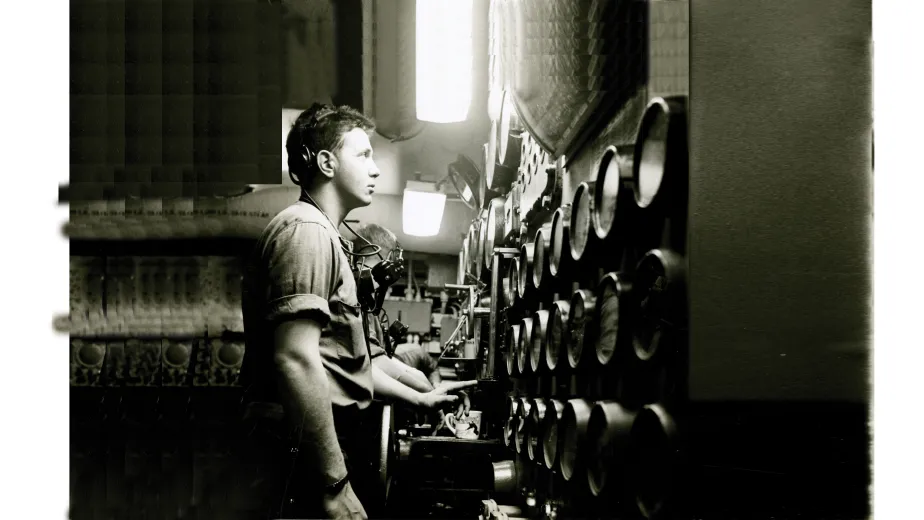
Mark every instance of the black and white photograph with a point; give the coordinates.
(464, 259)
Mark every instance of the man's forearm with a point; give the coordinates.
(305, 394)
(435, 377)
(386, 386)
(404, 374)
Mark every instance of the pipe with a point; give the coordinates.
(613, 315)
(560, 241)
(653, 447)
(583, 304)
(538, 340)
(608, 436)
(550, 441)
(505, 476)
(572, 435)
(558, 332)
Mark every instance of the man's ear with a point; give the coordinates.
(327, 163)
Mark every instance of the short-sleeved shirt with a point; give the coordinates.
(298, 270)
(376, 337)
(414, 355)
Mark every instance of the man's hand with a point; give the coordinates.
(439, 397)
(344, 505)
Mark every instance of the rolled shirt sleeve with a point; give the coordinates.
(300, 271)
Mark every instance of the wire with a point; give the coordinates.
(369, 244)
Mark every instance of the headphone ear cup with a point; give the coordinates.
(307, 155)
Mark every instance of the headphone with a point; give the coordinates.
(321, 112)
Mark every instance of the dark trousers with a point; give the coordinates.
(296, 491)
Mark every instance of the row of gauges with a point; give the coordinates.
(594, 313)
(636, 202)
(603, 445)
(634, 319)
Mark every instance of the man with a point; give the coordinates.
(395, 367)
(306, 348)
(417, 356)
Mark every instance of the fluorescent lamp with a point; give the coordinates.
(422, 211)
(444, 60)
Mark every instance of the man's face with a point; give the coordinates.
(357, 172)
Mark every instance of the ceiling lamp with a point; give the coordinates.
(444, 60)
(422, 211)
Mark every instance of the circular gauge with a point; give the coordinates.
(572, 432)
(540, 258)
(660, 279)
(581, 312)
(612, 307)
(558, 332)
(582, 208)
(539, 335)
(660, 150)
(608, 433)
(653, 447)
(559, 241)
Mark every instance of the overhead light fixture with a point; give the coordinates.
(444, 60)
(422, 213)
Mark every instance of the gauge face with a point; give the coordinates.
(652, 162)
(557, 240)
(608, 193)
(578, 320)
(609, 324)
(525, 338)
(652, 467)
(569, 444)
(580, 221)
(540, 322)
(558, 334)
(538, 258)
(525, 268)
(550, 444)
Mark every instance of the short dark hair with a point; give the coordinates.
(377, 235)
(321, 127)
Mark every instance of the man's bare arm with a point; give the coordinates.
(403, 373)
(305, 394)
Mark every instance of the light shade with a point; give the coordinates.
(422, 211)
(444, 60)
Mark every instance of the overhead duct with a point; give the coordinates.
(389, 71)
